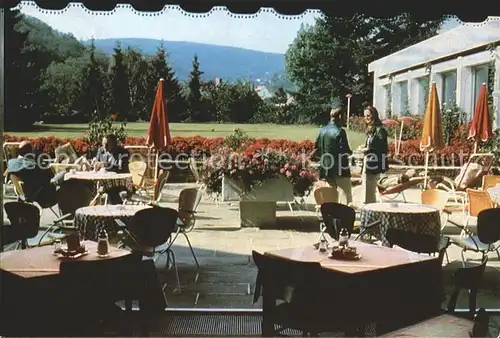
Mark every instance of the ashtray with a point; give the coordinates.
(72, 254)
(347, 253)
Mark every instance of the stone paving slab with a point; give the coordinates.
(227, 274)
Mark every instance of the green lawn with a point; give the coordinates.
(296, 133)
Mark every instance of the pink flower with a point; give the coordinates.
(303, 174)
(286, 166)
(282, 170)
(294, 167)
(288, 174)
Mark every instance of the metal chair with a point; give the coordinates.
(323, 195)
(419, 243)
(337, 216)
(149, 232)
(25, 226)
(189, 199)
(72, 195)
(490, 181)
(488, 235)
(157, 193)
(467, 278)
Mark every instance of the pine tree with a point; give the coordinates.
(92, 90)
(194, 100)
(119, 85)
(137, 68)
(159, 68)
(23, 99)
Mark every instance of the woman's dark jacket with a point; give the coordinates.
(376, 160)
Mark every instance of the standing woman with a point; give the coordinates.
(376, 149)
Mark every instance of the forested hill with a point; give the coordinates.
(229, 63)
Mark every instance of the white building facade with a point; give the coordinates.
(458, 61)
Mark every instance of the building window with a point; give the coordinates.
(423, 93)
(403, 98)
(449, 94)
(387, 101)
(480, 77)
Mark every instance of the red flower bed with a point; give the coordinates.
(189, 145)
(454, 155)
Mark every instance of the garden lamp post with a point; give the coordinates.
(348, 109)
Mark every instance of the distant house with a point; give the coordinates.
(263, 92)
(457, 60)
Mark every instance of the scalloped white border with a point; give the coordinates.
(207, 14)
(166, 8)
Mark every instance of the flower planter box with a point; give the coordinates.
(272, 190)
(260, 214)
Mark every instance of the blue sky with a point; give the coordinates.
(266, 31)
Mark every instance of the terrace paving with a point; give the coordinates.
(227, 274)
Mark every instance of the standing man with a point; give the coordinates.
(333, 148)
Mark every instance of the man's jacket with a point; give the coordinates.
(36, 180)
(333, 148)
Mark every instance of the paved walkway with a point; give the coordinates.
(226, 276)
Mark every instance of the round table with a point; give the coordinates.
(106, 179)
(88, 220)
(410, 217)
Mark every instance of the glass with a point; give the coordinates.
(57, 246)
(323, 246)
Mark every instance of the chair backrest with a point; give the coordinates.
(325, 194)
(137, 170)
(10, 150)
(74, 194)
(89, 282)
(18, 185)
(66, 154)
(277, 274)
(144, 154)
(435, 197)
(337, 216)
(153, 226)
(194, 169)
(419, 243)
(160, 184)
(476, 167)
(488, 229)
(24, 216)
(479, 200)
(189, 199)
(490, 181)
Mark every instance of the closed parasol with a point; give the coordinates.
(159, 131)
(432, 133)
(481, 127)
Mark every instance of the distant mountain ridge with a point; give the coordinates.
(228, 63)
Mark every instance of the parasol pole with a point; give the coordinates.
(426, 168)
(348, 109)
(426, 163)
(400, 138)
(475, 147)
